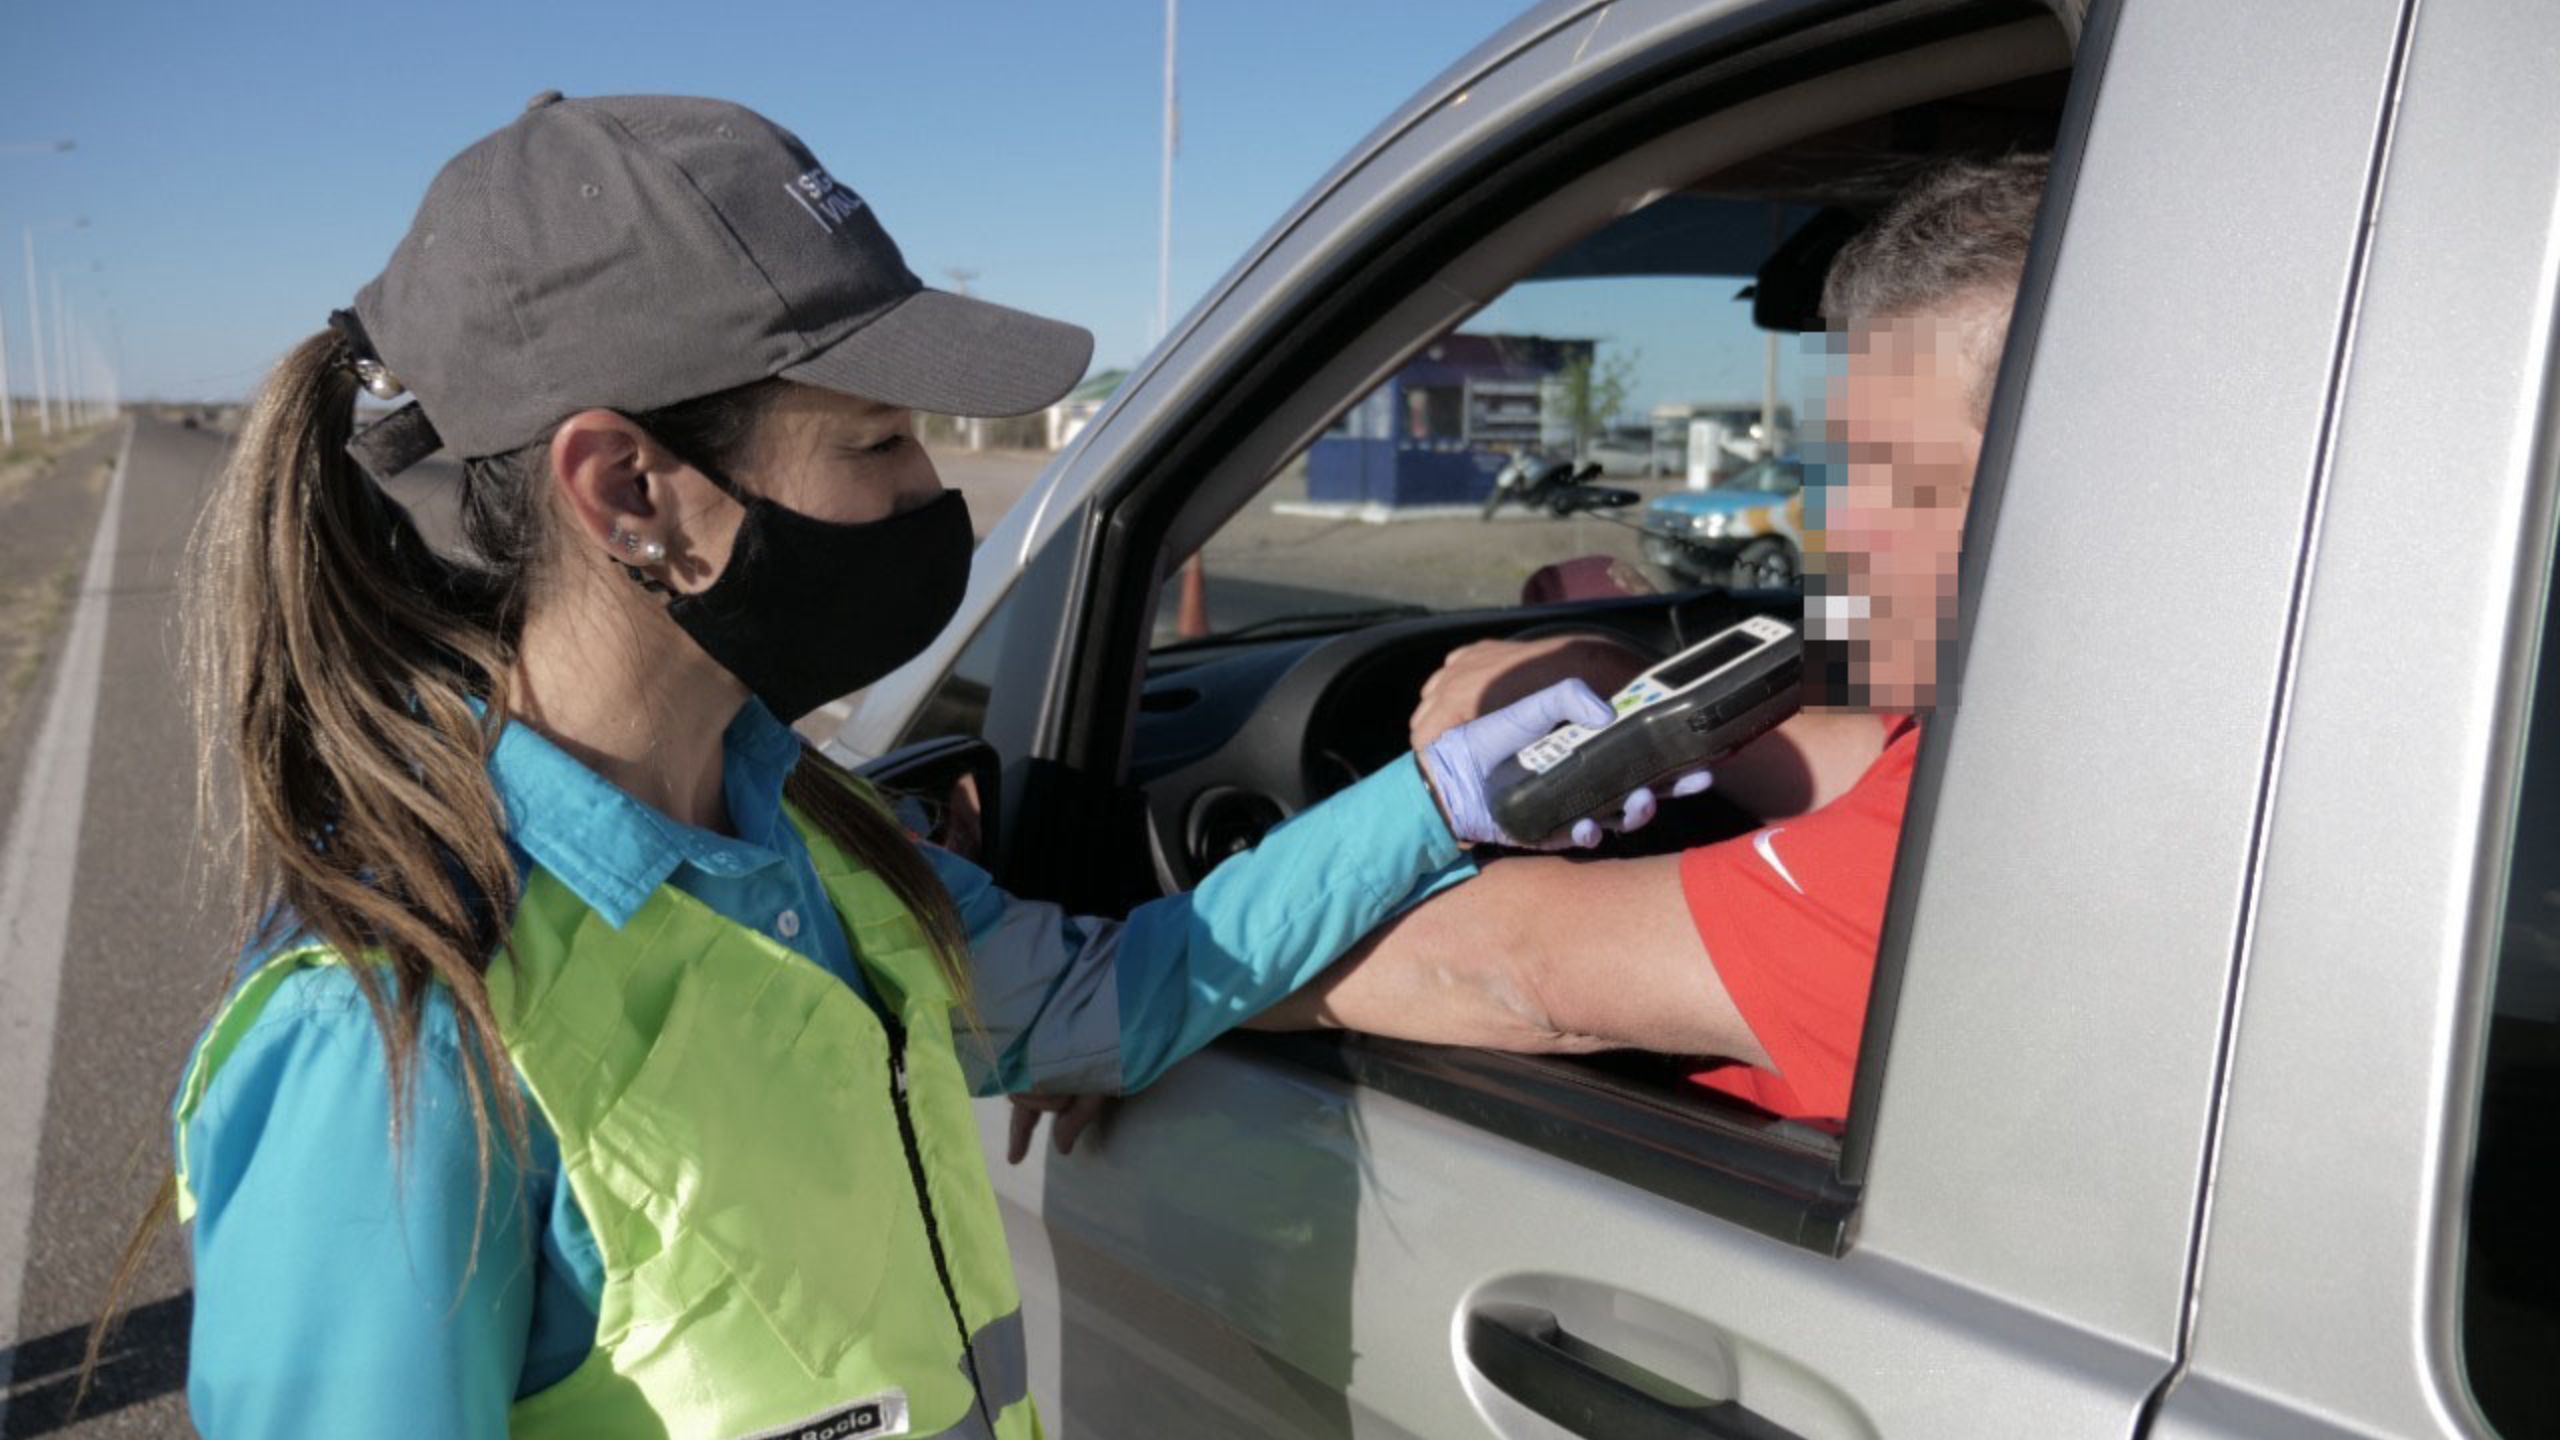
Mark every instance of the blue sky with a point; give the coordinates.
(246, 166)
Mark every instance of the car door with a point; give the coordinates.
(2379, 1257)
(1289, 1237)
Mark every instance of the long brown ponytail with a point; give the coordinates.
(335, 658)
(330, 658)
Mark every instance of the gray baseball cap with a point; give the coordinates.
(630, 252)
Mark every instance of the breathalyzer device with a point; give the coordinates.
(1696, 707)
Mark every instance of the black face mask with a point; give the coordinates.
(808, 609)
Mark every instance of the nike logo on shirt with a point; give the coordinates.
(1764, 845)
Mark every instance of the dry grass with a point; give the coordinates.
(29, 616)
(33, 456)
(31, 610)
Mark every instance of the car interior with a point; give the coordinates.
(1232, 734)
(1168, 760)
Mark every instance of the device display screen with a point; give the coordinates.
(1707, 661)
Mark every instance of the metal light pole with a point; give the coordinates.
(81, 379)
(62, 353)
(8, 402)
(35, 320)
(35, 339)
(84, 358)
(115, 358)
(95, 368)
(35, 330)
(1164, 188)
(84, 396)
(1191, 616)
(80, 349)
(973, 428)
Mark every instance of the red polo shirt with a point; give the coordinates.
(1790, 915)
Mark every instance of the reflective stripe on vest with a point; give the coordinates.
(728, 1121)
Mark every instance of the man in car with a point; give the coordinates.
(1756, 952)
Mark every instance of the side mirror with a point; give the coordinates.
(954, 780)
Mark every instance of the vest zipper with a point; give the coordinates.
(924, 1202)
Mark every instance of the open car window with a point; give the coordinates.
(1656, 355)
(1567, 441)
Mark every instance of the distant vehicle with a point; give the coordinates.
(1746, 532)
(1559, 487)
(1707, 440)
(1620, 458)
(1723, 441)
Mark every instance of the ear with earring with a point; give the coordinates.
(640, 547)
(645, 551)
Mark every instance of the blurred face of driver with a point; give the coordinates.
(1903, 427)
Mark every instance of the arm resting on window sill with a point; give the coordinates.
(1538, 954)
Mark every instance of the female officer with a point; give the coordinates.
(600, 1061)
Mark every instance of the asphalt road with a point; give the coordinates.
(101, 919)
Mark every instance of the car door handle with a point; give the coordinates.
(1528, 1356)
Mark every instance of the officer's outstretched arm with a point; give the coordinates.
(1075, 1004)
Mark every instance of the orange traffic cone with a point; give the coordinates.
(1191, 621)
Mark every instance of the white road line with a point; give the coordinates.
(37, 864)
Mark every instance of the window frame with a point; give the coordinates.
(1982, 518)
(2532, 671)
(1757, 1175)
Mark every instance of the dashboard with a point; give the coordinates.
(1232, 739)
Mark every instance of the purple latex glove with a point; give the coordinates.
(1459, 760)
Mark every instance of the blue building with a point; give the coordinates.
(1440, 428)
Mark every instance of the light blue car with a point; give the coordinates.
(1746, 532)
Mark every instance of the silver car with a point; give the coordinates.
(2208, 1086)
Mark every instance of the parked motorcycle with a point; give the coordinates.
(1558, 487)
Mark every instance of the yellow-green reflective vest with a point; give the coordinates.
(797, 1233)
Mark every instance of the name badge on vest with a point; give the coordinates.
(881, 1415)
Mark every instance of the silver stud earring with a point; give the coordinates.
(646, 551)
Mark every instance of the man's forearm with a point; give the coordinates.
(1538, 954)
(1453, 971)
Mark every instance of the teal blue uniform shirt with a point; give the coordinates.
(339, 1288)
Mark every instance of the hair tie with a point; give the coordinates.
(398, 440)
(370, 372)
